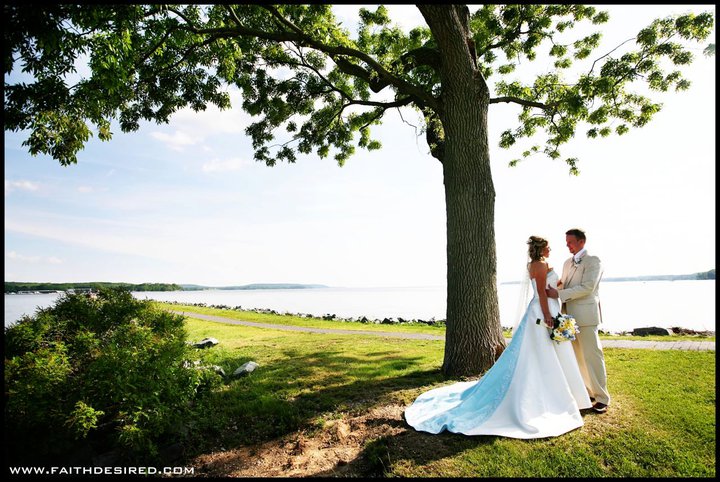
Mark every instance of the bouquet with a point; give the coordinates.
(564, 328)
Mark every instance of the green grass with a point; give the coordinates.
(281, 319)
(661, 422)
(291, 320)
(304, 378)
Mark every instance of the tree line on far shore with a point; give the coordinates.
(706, 275)
(15, 287)
(671, 277)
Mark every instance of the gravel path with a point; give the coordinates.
(648, 345)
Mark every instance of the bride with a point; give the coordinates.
(533, 390)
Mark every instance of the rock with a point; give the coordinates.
(206, 343)
(197, 364)
(245, 368)
(342, 430)
(685, 331)
(651, 330)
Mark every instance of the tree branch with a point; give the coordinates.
(233, 14)
(386, 105)
(376, 85)
(298, 36)
(421, 56)
(603, 56)
(527, 103)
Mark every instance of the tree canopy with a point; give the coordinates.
(301, 72)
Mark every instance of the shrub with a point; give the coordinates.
(96, 373)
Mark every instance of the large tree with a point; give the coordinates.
(316, 88)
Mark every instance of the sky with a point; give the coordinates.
(185, 203)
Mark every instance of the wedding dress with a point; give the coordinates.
(533, 390)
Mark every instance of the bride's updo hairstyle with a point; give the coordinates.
(536, 245)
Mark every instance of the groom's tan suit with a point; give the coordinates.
(580, 299)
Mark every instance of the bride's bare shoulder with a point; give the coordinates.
(537, 266)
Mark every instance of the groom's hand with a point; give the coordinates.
(551, 293)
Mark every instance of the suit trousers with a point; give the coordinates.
(591, 360)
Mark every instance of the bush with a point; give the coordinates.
(96, 374)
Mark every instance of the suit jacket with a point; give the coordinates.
(580, 286)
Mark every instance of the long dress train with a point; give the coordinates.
(533, 390)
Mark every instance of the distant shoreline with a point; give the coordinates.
(14, 287)
(704, 276)
(256, 286)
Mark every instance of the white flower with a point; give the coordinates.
(564, 328)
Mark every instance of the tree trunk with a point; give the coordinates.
(473, 339)
(473, 336)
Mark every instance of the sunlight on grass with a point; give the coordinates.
(291, 320)
(436, 330)
(661, 422)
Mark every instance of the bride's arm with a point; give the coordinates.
(538, 270)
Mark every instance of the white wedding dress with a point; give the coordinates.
(533, 390)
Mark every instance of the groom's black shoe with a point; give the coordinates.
(599, 407)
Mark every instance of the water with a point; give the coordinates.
(625, 305)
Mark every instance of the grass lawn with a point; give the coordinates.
(437, 330)
(327, 404)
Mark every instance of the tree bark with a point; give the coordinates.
(473, 339)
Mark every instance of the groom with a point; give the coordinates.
(578, 293)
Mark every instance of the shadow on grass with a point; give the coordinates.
(410, 446)
(300, 390)
(660, 423)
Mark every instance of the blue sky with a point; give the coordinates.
(185, 202)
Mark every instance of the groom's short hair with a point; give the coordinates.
(578, 233)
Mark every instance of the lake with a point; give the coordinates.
(625, 304)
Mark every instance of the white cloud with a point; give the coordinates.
(177, 141)
(165, 241)
(194, 128)
(15, 256)
(11, 186)
(213, 120)
(19, 257)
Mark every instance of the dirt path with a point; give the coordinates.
(336, 451)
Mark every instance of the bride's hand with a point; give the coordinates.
(549, 321)
(559, 284)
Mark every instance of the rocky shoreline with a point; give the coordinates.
(644, 331)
